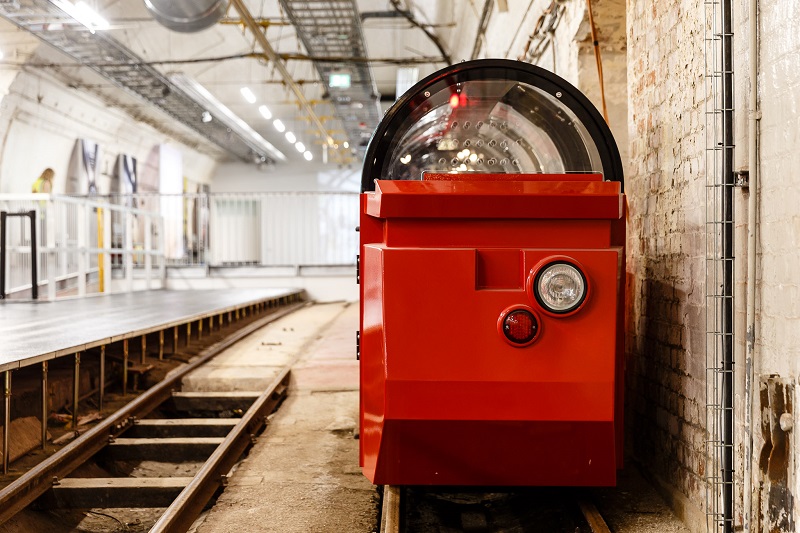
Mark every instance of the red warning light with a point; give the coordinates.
(454, 100)
(518, 325)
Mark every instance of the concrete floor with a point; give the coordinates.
(303, 474)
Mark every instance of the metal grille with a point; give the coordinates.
(719, 265)
(278, 229)
(114, 61)
(332, 28)
(83, 246)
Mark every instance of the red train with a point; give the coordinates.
(492, 284)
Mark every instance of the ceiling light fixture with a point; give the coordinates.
(206, 117)
(265, 112)
(83, 13)
(248, 95)
(308, 156)
(300, 147)
(290, 137)
(218, 110)
(279, 125)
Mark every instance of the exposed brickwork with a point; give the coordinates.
(777, 350)
(666, 192)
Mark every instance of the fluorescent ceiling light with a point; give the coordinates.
(279, 125)
(248, 95)
(339, 80)
(300, 147)
(83, 13)
(346, 144)
(308, 156)
(200, 94)
(290, 137)
(265, 112)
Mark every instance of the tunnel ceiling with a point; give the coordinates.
(132, 63)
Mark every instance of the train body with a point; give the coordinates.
(491, 269)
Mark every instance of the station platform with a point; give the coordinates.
(34, 332)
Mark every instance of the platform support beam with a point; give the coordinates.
(161, 345)
(6, 419)
(76, 382)
(174, 340)
(45, 410)
(144, 349)
(102, 377)
(125, 367)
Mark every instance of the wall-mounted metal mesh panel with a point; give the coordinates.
(719, 266)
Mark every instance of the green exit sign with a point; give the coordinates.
(339, 80)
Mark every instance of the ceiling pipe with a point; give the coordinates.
(253, 26)
(482, 26)
(432, 36)
(187, 16)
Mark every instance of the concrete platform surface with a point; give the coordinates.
(32, 332)
(303, 475)
(253, 363)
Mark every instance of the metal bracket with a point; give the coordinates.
(741, 179)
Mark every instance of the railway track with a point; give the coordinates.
(215, 443)
(544, 510)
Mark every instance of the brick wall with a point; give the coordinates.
(666, 193)
(777, 332)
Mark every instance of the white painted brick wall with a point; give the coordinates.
(666, 192)
(778, 288)
(667, 200)
(42, 118)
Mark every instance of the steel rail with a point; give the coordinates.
(23, 491)
(180, 516)
(390, 509)
(596, 522)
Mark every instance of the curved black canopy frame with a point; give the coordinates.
(491, 115)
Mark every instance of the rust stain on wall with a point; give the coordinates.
(776, 501)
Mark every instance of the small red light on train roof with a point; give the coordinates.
(454, 100)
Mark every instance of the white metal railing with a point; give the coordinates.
(293, 229)
(83, 246)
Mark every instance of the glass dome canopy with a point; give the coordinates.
(494, 116)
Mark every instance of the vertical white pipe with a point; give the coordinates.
(148, 247)
(107, 248)
(83, 244)
(51, 260)
(128, 251)
(162, 254)
(752, 206)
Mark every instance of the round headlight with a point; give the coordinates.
(560, 287)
